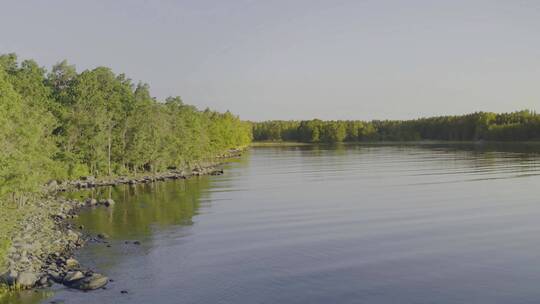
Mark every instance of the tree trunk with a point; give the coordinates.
(109, 151)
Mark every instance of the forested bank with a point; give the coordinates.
(63, 124)
(516, 126)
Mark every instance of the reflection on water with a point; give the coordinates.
(145, 207)
(28, 296)
(437, 223)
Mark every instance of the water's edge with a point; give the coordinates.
(42, 250)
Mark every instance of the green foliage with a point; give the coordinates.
(276, 130)
(63, 124)
(26, 154)
(517, 126)
(26, 140)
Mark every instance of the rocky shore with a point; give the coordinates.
(91, 182)
(44, 242)
(41, 252)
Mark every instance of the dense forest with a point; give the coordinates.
(61, 124)
(517, 126)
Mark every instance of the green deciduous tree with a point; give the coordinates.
(27, 144)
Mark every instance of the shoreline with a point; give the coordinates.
(42, 248)
(390, 142)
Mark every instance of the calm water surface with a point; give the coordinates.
(344, 224)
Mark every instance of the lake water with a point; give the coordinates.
(428, 223)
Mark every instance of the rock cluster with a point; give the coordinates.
(87, 182)
(41, 251)
(92, 202)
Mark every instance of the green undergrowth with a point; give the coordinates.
(9, 217)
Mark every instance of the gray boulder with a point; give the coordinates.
(27, 279)
(52, 184)
(8, 278)
(73, 276)
(55, 276)
(109, 202)
(91, 202)
(72, 263)
(91, 282)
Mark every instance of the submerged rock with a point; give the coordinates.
(91, 282)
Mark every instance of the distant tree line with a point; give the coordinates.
(516, 126)
(64, 124)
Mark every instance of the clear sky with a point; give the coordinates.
(298, 59)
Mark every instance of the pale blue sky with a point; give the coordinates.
(297, 59)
